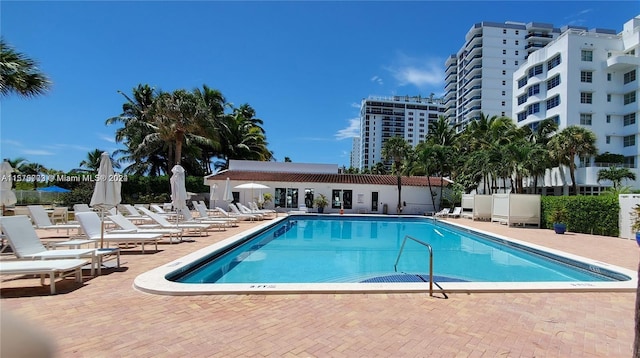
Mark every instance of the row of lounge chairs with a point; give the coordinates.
(139, 225)
(447, 212)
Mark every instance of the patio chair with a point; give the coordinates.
(53, 268)
(203, 212)
(41, 220)
(201, 229)
(443, 212)
(133, 214)
(237, 211)
(27, 245)
(253, 206)
(238, 216)
(263, 213)
(457, 211)
(187, 218)
(129, 227)
(161, 211)
(60, 214)
(92, 226)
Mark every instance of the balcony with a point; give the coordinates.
(622, 62)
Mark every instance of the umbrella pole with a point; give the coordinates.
(102, 229)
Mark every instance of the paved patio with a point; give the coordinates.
(106, 317)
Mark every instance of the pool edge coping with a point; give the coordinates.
(155, 282)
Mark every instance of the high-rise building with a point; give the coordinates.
(354, 161)
(478, 79)
(382, 118)
(586, 78)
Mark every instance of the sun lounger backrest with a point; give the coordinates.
(202, 210)
(39, 215)
(186, 214)
(157, 218)
(79, 208)
(20, 233)
(123, 222)
(90, 223)
(131, 210)
(157, 209)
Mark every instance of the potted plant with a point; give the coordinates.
(266, 198)
(558, 216)
(635, 222)
(321, 202)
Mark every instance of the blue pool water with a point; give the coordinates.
(314, 249)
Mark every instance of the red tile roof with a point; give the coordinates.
(370, 179)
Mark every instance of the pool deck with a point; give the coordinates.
(106, 317)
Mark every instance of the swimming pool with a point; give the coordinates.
(316, 253)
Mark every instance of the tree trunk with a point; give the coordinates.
(399, 194)
(572, 173)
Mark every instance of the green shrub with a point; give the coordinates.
(585, 214)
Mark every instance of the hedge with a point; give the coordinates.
(596, 215)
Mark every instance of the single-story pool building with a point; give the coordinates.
(296, 185)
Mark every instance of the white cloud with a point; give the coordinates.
(576, 19)
(355, 105)
(110, 139)
(353, 130)
(37, 152)
(10, 142)
(377, 79)
(421, 72)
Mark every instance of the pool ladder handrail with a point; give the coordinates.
(395, 266)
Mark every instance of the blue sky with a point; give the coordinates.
(303, 66)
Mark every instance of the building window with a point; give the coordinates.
(608, 97)
(516, 63)
(586, 76)
(629, 119)
(503, 103)
(504, 31)
(504, 41)
(608, 77)
(522, 82)
(553, 82)
(517, 42)
(553, 102)
(516, 52)
(504, 72)
(608, 139)
(535, 70)
(586, 97)
(504, 93)
(586, 55)
(629, 76)
(522, 116)
(608, 118)
(630, 97)
(534, 108)
(517, 32)
(522, 98)
(555, 61)
(504, 83)
(286, 197)
(585, 119)
(629, 141)
(345, 202)
(533, 90)
(504, 62)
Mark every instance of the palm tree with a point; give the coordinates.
(572, 142)
(33, 170)
(397, 150)
(616, 175)
(19, 74)
(91, 163)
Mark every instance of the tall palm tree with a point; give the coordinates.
(397, 150)
(19, 74)
(34, 170)
(91, 163)
(616, 175)
(570, 143)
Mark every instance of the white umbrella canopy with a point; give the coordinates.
(7, 196)
(106, 193)
(228, 195)
(178, 189)
(251, 186)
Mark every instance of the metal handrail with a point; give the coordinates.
(395, 266)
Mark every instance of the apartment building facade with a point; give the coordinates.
(382, 118)
(586, 78)
(478, 78)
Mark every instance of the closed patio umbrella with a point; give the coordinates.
(213, 195)
(106, 194)
(178, 189)
(7, 196)
(228, 195)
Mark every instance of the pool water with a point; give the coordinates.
(315, 249)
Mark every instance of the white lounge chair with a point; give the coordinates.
(253, 206)
(234, 209)
(239, 216)
(203, 212)
(187, 218)
(27, 245)
(79, 208)
(41, 220)
(133, 214)
(443, 212)
(129, 227)
(457, 211)
(43, 268)
(92, 227)
(201, 229)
